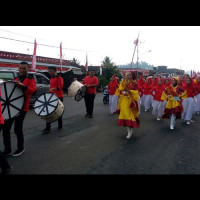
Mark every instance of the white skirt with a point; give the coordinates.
(147, 101)
(197, 104)
(188, 106)
(113, 101)
(158, 108)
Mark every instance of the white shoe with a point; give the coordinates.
(171, 127)
(188, 122)
(197, 113)
(158, 118)
(145, 110)
(130, 132)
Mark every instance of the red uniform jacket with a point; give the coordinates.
(30, 88)
(191, 90)
(158, 92)
(57, 82)
(146, 88)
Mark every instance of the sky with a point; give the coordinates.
(171, 46)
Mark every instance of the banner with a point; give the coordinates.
(33, 66)
(86, 64)
(61, 56)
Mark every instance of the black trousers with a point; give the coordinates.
(3, 162)
(48, 124)
(18, 129)
(89, 103)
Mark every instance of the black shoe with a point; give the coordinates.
(6, 153)
(46, 130)
(86, 115)
(90, 116)
(18, 152)
(5, 171)
(59, 127)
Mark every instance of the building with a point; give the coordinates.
(11, 60)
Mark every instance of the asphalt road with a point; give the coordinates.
(98, 146)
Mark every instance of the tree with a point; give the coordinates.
(108, 70)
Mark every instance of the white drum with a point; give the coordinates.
(49, 107)
(12, 99)
(77, 90)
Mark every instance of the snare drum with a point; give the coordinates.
(49, 107)
(77, 90)
(12, 99)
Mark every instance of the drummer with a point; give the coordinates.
(28, 84)
(91, 82)
(56, 86)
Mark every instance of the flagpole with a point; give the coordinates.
(134, 51)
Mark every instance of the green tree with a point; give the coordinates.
(108, 69)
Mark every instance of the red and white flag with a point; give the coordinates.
(101, 68)
(33, 66)
(61, 56)
(136, 42)
(86, 64)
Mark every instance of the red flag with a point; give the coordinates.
(86, 64)
(136, 42)
(61, 56)
(33, 66)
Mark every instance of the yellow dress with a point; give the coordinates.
(173, 106)
(127, 105)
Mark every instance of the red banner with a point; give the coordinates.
(33, 66)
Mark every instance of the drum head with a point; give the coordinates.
(12, 99)
(45, 104)
(79, 95)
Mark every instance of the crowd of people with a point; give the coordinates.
(172, 98)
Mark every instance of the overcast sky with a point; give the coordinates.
(172, 46)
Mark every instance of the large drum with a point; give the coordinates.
(49, 107)
(12, 99)
(77, 90)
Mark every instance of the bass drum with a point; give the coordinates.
(77, 90)
(49, 107)
(12, 99)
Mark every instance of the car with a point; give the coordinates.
(42, 82)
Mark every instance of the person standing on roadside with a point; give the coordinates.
(91, 83)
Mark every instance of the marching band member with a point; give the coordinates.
(188, 103)
(56, 87)
(28, 84)
(91, 82)
(174, 95)
(147, 98)
(128, 104)
(197, 103)
(4, 165)
(158, 104)
(113, 99)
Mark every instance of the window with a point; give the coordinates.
(6, 75)
(41, 79)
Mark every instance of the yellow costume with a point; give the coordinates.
(173, 106)
(127, 105)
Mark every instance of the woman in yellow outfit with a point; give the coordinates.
(174, 95)
(128, 103)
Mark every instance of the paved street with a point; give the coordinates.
(98, 146)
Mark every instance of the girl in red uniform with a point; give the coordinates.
(147, 98)
(113, 99)
(158, 104)
(188, 103)
(197, 103)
